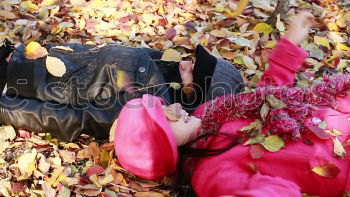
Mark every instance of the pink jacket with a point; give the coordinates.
(288, 171)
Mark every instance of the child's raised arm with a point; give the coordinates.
(287, 58)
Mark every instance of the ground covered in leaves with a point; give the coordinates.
(37, 164)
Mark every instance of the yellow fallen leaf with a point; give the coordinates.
(328, 170)
(273, 143)
(54, 176)
(104, 158)
(218, 33)
(240, 8)
(28, 5)
(322, 41)
(7, 14)
(270, 44)
(338, 148)
(341, 22)
(171, 55)
(27, 164)
(264, 28)
(55, 66)
(34, 50)
(332, 27)
(46, 3)
(341, 46)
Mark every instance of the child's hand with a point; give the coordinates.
(299, 27)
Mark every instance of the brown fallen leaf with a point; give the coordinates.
(67, 156)
(95, 152)
(84, 153)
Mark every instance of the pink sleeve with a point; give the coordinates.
(231, 180)
(284, 62)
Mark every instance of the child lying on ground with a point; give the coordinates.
(284, 151)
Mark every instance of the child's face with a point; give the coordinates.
(182, 125)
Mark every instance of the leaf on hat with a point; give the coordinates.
(171, 55)
(338, 148)
(34, 50)
(334, 132)
(328, 170)
(264, 28)
(256, 125)
(255, 140)
(249, 62)
(256, 151)
(55, 66)
(273, 143)
(321, 41)
(274, 102)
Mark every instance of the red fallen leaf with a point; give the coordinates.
(170, 33)
(162, 22)
(319, 132)
(336, 61)
(18, 187)
(23, 133)
(98, 170)
(256, 151)
(328, 170)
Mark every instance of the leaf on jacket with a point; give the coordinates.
(256, 151)
(264, 28)
(171, 55)
(256, 125)
(319, 132)
(264, 111)
(55, 66)
(338, 148)
(255, 140)
(34, 50)
(274, 102)
(323, 125)
(334, 132)
(328, 170)
(273, 143)
(175, 86)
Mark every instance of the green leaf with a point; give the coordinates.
(253, 125)
(238, 60)
(274, 102)
(323, 125)
(65, 192)
(175, 85)
(273, 143)
(264, 111)
(260, 138)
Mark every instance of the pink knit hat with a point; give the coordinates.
(144, 142)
